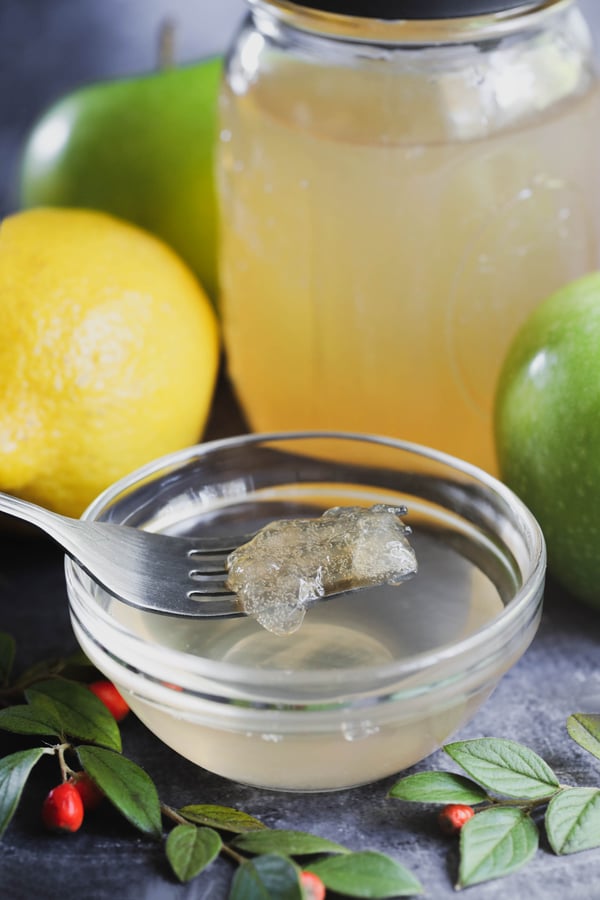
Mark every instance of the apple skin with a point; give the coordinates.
(547, 430)
(140, 148)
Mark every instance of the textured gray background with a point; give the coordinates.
(49, 47)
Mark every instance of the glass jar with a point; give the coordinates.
(396, 195)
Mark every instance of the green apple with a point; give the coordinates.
(140, 148)
(547, 427)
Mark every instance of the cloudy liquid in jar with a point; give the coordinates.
(373, 284)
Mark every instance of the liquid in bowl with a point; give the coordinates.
(370, 684)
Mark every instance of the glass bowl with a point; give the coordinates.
(372, 682)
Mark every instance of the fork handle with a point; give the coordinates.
(56, 526)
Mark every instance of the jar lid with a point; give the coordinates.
(412, 9)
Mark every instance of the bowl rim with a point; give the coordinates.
(520, 610)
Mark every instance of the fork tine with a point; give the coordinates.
(209, 582)
(209, 608)
(223, 544)
(208, 564)
(210, 589)
(208, 555)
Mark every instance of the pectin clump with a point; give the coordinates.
(291, 563)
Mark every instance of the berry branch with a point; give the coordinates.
(489, 804)
(65, 769)
(83, 717)
(492, 809)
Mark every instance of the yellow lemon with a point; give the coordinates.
(108, 354)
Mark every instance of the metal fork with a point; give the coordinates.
(180, 576)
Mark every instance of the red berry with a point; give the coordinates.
(312, 886)
(453, 817)
(62, 809)
(91, 795)
(114, 702)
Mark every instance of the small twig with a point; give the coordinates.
(166, 45)
(16, 690)
(234, 854)
(527, 806)
(65, 769)
(172, 814)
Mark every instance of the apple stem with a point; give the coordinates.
(166, 44)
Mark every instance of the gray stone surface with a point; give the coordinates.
(557, 676)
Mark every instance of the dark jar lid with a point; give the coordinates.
(411, 9)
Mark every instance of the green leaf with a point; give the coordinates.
(586, 731)
(288, 843)
(190, 850)
(126, 785)
(494, 843)
(266, 877)
(7, 656)
(505, 767)
(76, 710)
(438, 787)
(14, 772)
(78, 667)
(366, 874)
(41, 670)
(573, 820)
(79, 659)
(28, 720)
(222, 817)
